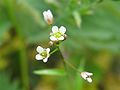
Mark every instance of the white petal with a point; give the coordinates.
(52, 38)
(89, 74)
(54, 29)
(62, 29)
(50, 14)
(48, 50)
(61, 38)
(89, 80)
(38, 57)
(83, 75)
(45, 15)
(51, 33)
(39, 49)
(45, 60)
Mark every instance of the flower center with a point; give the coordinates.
(57, 34)
(44, 53)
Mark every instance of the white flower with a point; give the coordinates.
(57, 33)
(43, 54)
(86, 76)
(48, 16)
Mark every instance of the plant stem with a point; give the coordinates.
(66, 69)
(79, 70)
(54, 51)
(69, 64)
(72, 66)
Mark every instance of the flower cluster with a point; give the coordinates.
(57, 34)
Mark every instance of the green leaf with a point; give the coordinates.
(56, 72)
(77, 18)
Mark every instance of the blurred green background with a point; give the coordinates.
(93, 44)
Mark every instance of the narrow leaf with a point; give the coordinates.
(56, 72)
(77, 18)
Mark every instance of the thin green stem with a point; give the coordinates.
(66, 69)
(54, 51)
(78, 80)
(79, 70)
(70, 65)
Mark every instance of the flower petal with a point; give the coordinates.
(38, 57)
(51, 33)
(48, 50)
(54, 29)
(45, 15)
(89, 80)
(50, 13)
(62, 29)
(39, 49)
(61, 38)
(89, 74)
(52, 38)
(84, 75)
(45, 60)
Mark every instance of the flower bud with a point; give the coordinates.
(86, 76)
(48, 17)
(51, 43)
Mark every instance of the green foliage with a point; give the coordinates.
(99, 28)
(92, 26)
(5, 83)
(4, 23)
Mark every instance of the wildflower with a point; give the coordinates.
(48, 16)
(43, 54)
(58, 33)
(86, 76)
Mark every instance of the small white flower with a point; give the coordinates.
(86, 76)
(43, 54)
(57, 33)
(48, 16)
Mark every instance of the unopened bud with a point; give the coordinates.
(51, 43)
(48, 17)
(87, 76)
